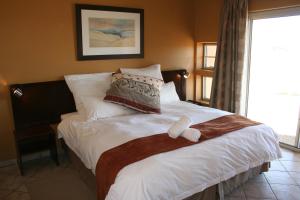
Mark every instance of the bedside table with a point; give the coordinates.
(198, 103)
(35, 139)
(61, 151)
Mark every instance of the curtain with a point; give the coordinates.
(229, 65)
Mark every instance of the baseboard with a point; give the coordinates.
(6, 163)
(36, 156)
(289, 147)
(25, 158)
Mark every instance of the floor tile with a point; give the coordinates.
(286, 192)
(291, 165)
(18, 196)
(237, 193)
(258, 199)
(22, 188)
(279, 177)
(11, 182)
(288, 155)
(259, 179)
(295, 176)
(4, 193)
(234, 198)
(258, 190)
(276, 166)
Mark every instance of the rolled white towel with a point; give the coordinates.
(178, 127)
(191, 134)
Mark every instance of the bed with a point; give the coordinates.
(207, 170)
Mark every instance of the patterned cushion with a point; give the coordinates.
(137, 92)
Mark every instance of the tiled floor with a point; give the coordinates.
(13, 186)
(282, 182)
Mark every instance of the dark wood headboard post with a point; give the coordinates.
(177, 76)
(44, 102)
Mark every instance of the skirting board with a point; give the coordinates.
(6, 163)
(26, 158)
(34, 156)
(289, 147)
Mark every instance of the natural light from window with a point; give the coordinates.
(274, 90)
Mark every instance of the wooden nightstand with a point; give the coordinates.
(60, 146)
(198, 103)
(35, 139)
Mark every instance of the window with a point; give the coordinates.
(206, 55)
(209, 55)
(206, 87)
(274, 72)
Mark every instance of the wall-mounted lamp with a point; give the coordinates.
(17, 92)
(183, 74)
(186, 74)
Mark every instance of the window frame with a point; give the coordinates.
(204, 56)
(202, 71)
(267, 14)
(203, 90)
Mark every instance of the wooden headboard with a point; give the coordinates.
(44, 102)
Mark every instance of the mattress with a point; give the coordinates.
(177, 174)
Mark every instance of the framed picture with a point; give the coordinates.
(105, 32)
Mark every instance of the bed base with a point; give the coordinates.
(214, 192)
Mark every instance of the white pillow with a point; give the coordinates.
(88, 85)
(168, 93)
(152, 71)
(67, 115)
(96, 108)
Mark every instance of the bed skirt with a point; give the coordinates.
(211, 193)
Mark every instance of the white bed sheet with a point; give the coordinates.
(176, 174)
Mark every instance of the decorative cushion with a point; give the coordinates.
(141, 93)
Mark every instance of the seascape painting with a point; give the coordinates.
(105, 32)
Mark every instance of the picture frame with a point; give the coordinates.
(107, 32)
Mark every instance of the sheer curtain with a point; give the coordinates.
(229, 73)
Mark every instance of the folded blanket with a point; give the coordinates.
(178, 127)
(191, 134)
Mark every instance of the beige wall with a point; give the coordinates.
(207, 15)
(38, 44)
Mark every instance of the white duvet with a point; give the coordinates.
(176, 174)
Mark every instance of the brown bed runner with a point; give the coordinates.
(113, 160)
